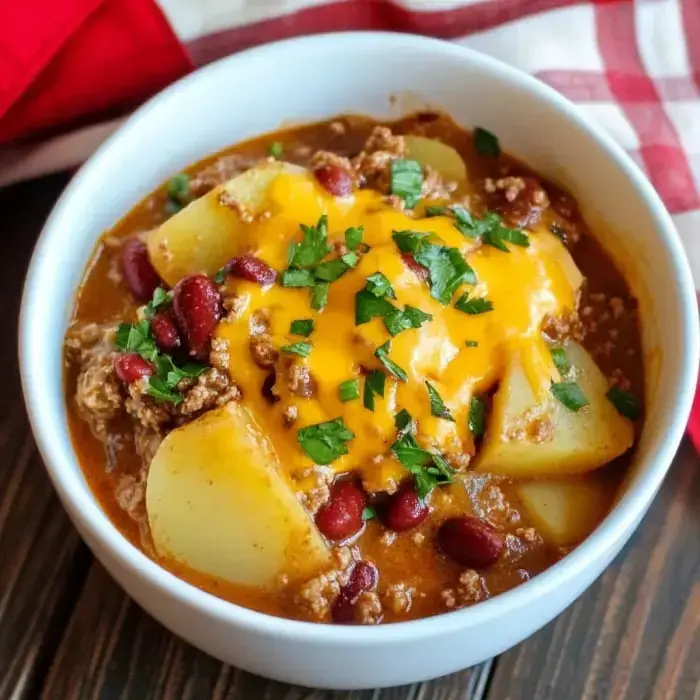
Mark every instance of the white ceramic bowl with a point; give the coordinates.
(382, 75)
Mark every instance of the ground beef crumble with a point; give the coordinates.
(470, 589)
(316, 596)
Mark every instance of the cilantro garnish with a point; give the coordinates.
(368, 513)
(325, 442)
(561, 361)
(397, 320)
(382, 354)
(297, 278)
(160, 298)
(179, 194)
(471, 343)
(319, 296)
(368, 306)
(569, 394)
(275, 149)
(349, 390)
(626, 404)
(489, 229)
(378, 285)
(429, 470)
(437, 405)
(302, 327)
(137, 338)
(331, 270)
(447, 269)
(353, 237)
(302, 349)
(435, 211)
(406, 180)
(474, 306)
(313, 247)
(486, 143)
(374, 385)
(477, 416)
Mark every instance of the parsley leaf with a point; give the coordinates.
(626, 404)
(477, 416)
(297, 278)
(319, 296)
(158, 389)
(325, 442)
(561, 361)
(275, 149)
(489, 229)
(397, 320)
(486, 143)
(447, 269)
(313, 247)
(368, 306)
(302, 349)
(406, 180)
(353, 237)
(368, 513)
(179, 190)
(437, 405)
(137, 338)
(331, 270)
(473, 307)
(382, 354)
(374, 384)
(221, 274)
(160, 298)
(471, 343)
(350, 259)
(435, 211)
(302, 327)
(378, 285)
(569, 394)
(349, 390)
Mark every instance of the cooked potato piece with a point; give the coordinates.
(205, 235)
(216, 501)
(566, 510)
(438, 156)
(529, 433)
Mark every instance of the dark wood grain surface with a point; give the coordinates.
(68, 632)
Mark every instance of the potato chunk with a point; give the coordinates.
(437, 155)
(206, 234)
(530, 433)
(217, 502)
(566, 511)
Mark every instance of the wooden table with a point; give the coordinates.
(67, 631)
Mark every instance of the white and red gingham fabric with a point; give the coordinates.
(632, 66)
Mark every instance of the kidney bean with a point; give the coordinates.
(165, 331)
(250, 268)
(197, 307)
(140, 275)
(342, 515)
(334, 179)
(363, 577)
(415, 267)
(405, 510)
(130, 366)
(470, 541)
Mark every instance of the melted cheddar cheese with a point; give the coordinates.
(524, 285)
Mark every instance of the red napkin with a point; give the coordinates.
(66, 61)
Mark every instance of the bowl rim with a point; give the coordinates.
(86, 512)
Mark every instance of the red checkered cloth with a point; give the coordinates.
(633, 66)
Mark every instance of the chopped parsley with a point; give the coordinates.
(313, 247)
(569, 394)
(302, 327)
(382, 354)
(561, 361)
(319, 296)
(406, 180)
(297, 278)
(353, 237)
(368, 306)
(437, 405)
(397, 321)
(474, 306)
(349, 390)
(325, 442)
(489, 229)
(331, 270)
(435, 211)
(374, 386)
(179, 194)
(477, 416)
(447, 269)
(221, 274)
(137, 338)
(368, 513)
(160, 298)
(302, 349)
(626, 404)
(428, 469)
(275, 149)
(378, 285)
(471, 343)
(486, 143)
